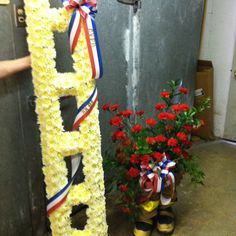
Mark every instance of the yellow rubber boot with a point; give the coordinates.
(144, 225)
(143, 228)
(166, 220)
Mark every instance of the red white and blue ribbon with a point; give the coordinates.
(70, 4)
(168, 176)
(150, 173)
(55, 202)
(158, 175)
(84, 13)
(83, 111)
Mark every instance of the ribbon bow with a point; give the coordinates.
(150, 174)
(152, 178)
(70, 4)
(84, 14)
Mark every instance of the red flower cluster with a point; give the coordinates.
(133, 172)
(177, 150)
(183, 90)
(161, 138)
(145, 142)
(165, 94)
(121, 158)
(115, 107)
(116, 121)
(186, 155)
(151, 122)
(160, 106)
(134, 159)
(188, 128)
(202, 123)
(136, 128)
(177, 108)
(126, 113)
(123, 188)
(139, 113)
(157, 156)
(145, 159)
(118, 135)
(166, 116)
(151, 140)
(172, 142)
(169, 127)
(182, 136)
(127, 142)
(106, 107)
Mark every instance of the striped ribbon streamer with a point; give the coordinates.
(171, 179)
(54, 202)
(84, 14)
(150, 173)
(165, 166)
(83, 111)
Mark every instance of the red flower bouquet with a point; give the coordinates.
(150, 151)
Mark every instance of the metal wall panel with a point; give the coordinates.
(169, 45)
(113, 25)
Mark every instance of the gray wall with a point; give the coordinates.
(140, 53)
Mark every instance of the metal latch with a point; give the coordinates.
(31, 101)
(136, 3)
(19, 13)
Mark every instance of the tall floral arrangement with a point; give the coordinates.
(56, 143)
(152, 147)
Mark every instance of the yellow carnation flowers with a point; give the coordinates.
(57, 144)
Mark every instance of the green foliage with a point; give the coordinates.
(192, 167)
(204, 105)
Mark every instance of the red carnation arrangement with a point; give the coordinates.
(143, 142)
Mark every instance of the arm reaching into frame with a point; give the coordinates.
(10, 67)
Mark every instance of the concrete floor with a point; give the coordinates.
(208, 210)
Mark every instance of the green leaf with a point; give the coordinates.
(204, 105)
(192, 168)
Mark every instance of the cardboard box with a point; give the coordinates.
(204, 88)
